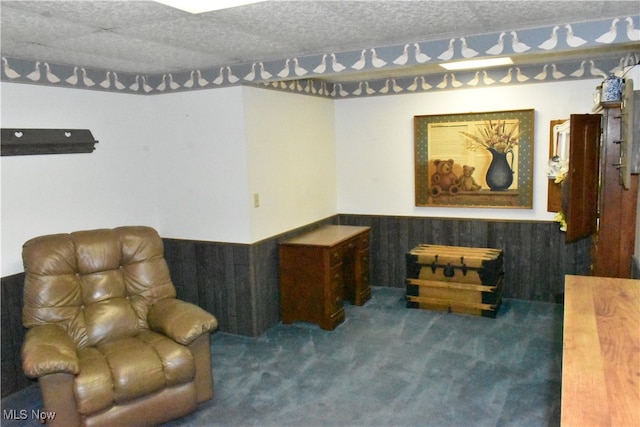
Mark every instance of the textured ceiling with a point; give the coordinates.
(148, 37)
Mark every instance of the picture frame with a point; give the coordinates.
(474, 160)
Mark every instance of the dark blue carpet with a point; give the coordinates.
(386, 365)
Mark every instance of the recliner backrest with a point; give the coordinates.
(98, 284)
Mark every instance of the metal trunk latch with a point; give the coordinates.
(449, 271)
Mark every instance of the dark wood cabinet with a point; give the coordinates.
(613, 245)
(592, 197)
(319, 270)
(580, 189)
(577, 195)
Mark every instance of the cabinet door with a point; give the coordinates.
(580, 188)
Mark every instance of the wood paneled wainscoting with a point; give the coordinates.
(536, 257)
(239, 283)
(13, 378)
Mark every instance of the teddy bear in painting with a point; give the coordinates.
(444, 179)
(466, 181)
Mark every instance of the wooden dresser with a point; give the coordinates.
(601, 352)
(320, 269)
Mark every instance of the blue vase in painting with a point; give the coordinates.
(500, 173)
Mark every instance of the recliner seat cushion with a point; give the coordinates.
(121, 370)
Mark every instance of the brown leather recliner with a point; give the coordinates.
(107, 339)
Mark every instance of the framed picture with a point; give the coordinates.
(475, 159)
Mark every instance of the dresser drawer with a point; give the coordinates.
(336, 278)
(364, 243)
(335, 255)
(364, 260)
(335, 303)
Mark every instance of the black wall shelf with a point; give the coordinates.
(22, 142)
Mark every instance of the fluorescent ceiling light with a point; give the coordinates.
(476, 63)
(200, 6)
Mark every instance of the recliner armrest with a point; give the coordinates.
(48, 349)
(181, 321)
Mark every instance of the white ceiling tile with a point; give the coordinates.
(207, 37)
(148, 37)
(27, 27)
(101, 14)
(114, 46)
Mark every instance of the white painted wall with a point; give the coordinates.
(175, 162)
(201, 165)
(187, 164)
(292, 160)
(61, 193)
(190, 163)
(375, 144)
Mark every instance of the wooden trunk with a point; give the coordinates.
(455, 279)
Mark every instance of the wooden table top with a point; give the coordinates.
(327, 235)
(601, 352)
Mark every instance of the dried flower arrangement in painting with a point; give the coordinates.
(499, 135)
